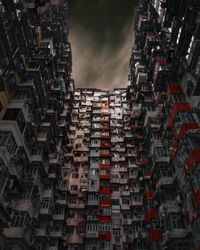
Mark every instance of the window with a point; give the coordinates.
(190, 87)
(26, 193)
(18, 219)
(177, 221)
(7, 140)
(45, 203)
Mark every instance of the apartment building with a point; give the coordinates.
(164, 100)
(36, 93)
(89, 169)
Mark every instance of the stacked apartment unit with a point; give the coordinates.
(164, 98)
(36, 92)
(101, 158)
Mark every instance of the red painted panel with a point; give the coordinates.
(193, 158)
(105, 177)
(155, 235)
(149, 195)
(108, 236)
(178, 107)
(174, 90)
(104, 219)
(104, 190)
(186, 127)
(197, 197)
(151, 214)
(104, 165)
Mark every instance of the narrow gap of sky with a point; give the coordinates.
(101, 38)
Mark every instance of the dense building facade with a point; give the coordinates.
(36, 93)
(164, 99)
(88, 169)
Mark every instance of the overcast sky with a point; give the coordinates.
(101, 39)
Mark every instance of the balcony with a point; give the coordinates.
(42, 136)
(62, 202)
(104, 166)
(125, 206)
(193, 159)
(136, 203)
(104, 203)
(151, 214)
(74, 239)
(41, 232)
(54, 159)
(105, 178)
(92, 202)
(56, 234)
(178, 233)
(105, 136)
(94, 166)
(164, 181)
(92, 234)
(81, 159)
(155, 235)
(170, 206)
(127, 222)
(104, 236)
(104, 154)
(45, 211)
(75, 221)
(104, 219)
(104, 190)
(93, 184)
(59, 217)
(28, 205)
(178, 107)
(17, 233)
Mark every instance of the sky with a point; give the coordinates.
(101, 35)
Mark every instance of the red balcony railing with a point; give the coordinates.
(105, 145)
(106, 136)
(105, 236)
(104, 190)
(104, 203)
(149, 195)
(104, 166)
(184, 128)
(140, 149)
(151, 214)
(104, 219)
(178, 107)
(104, 127)
(193, 158)
(197, 197)
(104, 177)
(155, 235)
(174, 90)
(105, 154)
(142, 162)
